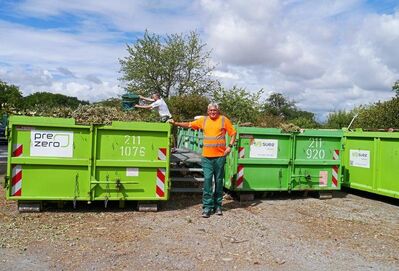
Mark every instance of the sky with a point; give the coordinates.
(326, 55)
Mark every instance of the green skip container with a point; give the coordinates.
(58, 160)
(316, 161)
(268, 159)
(259, 161)
(371, 162)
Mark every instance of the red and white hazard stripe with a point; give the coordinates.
(17, 150)
(16, 181)
(335, 169)
(240, 176)
(16, 174)
(160, 188)
(335, 154)
(241, 152)
(240, 169)
(162, 154)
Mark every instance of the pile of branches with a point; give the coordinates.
(89, 114)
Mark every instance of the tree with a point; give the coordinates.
(339, 119)
(381, 115)
(186, 107)
(239, 104)
(10, 96)
(278, 105)
(111, 102)
(173, 65)
(305, 122)
(395, 88)
(51, 100)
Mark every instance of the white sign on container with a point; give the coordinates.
(358, 158)
(263, 148)
(51, 143)
(323, 177)
(132, 172)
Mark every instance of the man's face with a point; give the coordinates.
(213, 112)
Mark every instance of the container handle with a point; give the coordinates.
(6, 179)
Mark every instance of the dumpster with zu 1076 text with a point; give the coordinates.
(371, 162)
(56, 159)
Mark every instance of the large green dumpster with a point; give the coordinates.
(371, 162)
(316, 162)
(260, 160)
(131, 161)
(268, 159)
(55, 159)
(48, 159)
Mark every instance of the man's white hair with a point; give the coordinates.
(215, 105)
(156, 94)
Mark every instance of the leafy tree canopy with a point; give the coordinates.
(111, 102)
(239, 104)
(173, 65)
(279, 106)
(51, 100)
(10, 96)
(339, 119)
(381, 115)
(395, 87)
(186, 107)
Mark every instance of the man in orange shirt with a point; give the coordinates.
(214, 153)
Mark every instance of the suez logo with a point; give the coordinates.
(50, 139)
(51, 143)
(264, 144)
(359, 158)
(360, 154)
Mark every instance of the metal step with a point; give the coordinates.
(187, 179)
(186, 190)
(325, 194)
(181, 150)
(246, 197)
(29, 207)
(188, 157)
(185, 169)
(186, 160)
(147, 207)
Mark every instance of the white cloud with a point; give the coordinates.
(125, 15)
(326, 55)
(225, 75)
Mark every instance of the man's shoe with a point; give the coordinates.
(218, 211)
(206, 214)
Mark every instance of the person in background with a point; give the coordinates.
(214, 151)
(158, 104)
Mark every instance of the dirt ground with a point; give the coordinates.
(282, 232)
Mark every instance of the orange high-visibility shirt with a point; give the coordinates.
(214, 134)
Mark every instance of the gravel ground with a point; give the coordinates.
(283, 232)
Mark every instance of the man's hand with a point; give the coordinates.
(171, 121)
